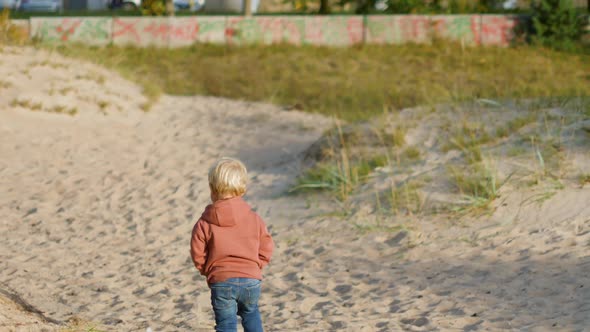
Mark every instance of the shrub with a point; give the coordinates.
(9, 33)
(153, 7)
(557, 24)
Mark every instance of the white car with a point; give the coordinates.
(135, 4)
(185, 4)
(41, 5)
(9, 4)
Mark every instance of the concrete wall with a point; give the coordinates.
(297, 30)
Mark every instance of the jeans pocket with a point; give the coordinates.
(221, 297)
(253, 294)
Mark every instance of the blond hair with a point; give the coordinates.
(228, 177)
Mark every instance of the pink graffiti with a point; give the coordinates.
(259, 26)
(414, 28)
(229, 33)
(67, 28)
(273, 27)
(123, 28)
(158, 30)
(313, 30)
(187, 32)
(292, 32)
(496, 30)
(355, 29)
(382, 31)
(475, 29)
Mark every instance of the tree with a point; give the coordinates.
(556, 23)
(324, 7)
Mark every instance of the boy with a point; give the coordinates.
(230, 245)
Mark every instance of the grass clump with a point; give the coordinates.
(5, 84)
(478, 184)
(514, 125)
(354, 83)
(411, 153)
(76, 324)
(341, 177)
(405, 198)
(584, 179)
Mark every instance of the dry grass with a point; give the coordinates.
(473, 153)
(351, 83)
(11, 34)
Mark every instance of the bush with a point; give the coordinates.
(9, 33)
(557, 24)
(439, 6)
(153, 7)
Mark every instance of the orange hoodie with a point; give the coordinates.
(230, 241)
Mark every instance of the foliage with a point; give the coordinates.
(557, 24)
(440, 7)
(9, 33)
(153, 7)
(340, 176)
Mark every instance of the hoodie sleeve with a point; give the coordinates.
(199, 246)
(266, 244)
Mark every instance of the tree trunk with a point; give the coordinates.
(170, 7)
(324, 7)
(248, 7)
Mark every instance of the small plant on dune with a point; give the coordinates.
(60, 109)
(65, 91)
(405, 198)
(397, 138)
(468, 139)
(584, 179)
(26, 103)
(477, 183)
(36, 106)
(341, 173)
(5, 84)
(152, 93)
(341, 177)
(547, 147)
(411, 153)
(102, 105)
(92, 76)
(515, 125)
(76, 324)
(47, 63)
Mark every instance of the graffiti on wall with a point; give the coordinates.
(76, 29)
(168, 31)
(326, 31)
(295, 30)
(259, 30)
(463, 28)
(497, 29)
(397, 29)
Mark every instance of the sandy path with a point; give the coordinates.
(96, 211)
(99, 210)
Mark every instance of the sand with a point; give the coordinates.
(96, 211)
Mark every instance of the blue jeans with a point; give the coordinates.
(233, 297)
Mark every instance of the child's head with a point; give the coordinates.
(227, 178)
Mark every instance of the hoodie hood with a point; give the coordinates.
(223, 212)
